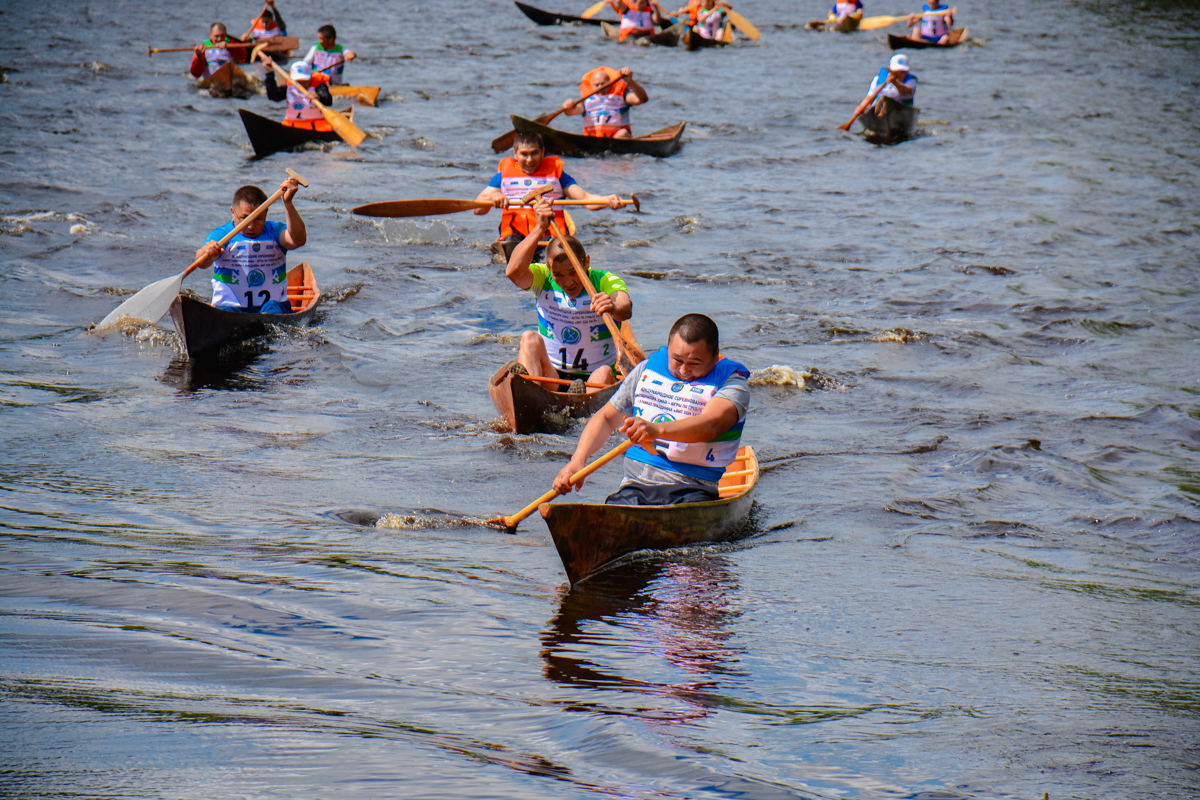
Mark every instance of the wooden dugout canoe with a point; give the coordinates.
(504, 249)
(957, 37)
(693, 41)
(667, 37)
(541, 17)
(523, 402)
(363, 95)
(268, 136)
(846, 25)
(897, 123)
(659, 144)
(204, 328)
(590, 536)
(229, 79)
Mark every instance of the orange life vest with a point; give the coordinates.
(605, 114)
(516, 184)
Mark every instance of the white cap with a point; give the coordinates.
(899, 63)
(302, 71)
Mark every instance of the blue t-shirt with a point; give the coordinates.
(566, 180)
(256, 267)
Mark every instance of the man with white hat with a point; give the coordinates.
(894, 81)
(301, 112)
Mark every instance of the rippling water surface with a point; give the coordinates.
(975, 567)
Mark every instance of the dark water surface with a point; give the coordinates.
(976, 572)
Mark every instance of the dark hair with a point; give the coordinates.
(267, 15)
(529, 137)
(693, 328)
(576, 247)
(249, 195)
(327, 30)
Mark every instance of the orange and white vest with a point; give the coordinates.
(299, 107)
(259, 32)
(215, 57)
(516, 184)
(636, 22)
(605, 114)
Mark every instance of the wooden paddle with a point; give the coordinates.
(873, 23)
(743, 26)
(150, 304)
(862, 108)
(504, 142)
(512, 522)
(331, 66)
(288, 42)
(430, 207)
(344, 128)
(594, 10)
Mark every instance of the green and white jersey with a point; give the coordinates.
(576, 338)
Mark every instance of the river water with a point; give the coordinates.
(975, 566)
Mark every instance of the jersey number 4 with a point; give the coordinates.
(578, 365)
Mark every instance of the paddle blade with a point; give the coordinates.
(418, 208)
(873, 23)
(343, 127)
(744, 27)
(148, 305)
(594, 10)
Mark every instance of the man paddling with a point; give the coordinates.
(896, 82)
(327, 52)
(301, 111)
(710, 19)
(251, 271)
(842, 9)
(572, 341)
(607, 112)
(934, 29)
(212, 53)
(684, 409)
(267, 24)
(638, 17)
(527, 169)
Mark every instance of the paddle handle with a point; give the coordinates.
(241, 226)
(515, 519)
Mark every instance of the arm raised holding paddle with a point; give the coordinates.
(295, 237)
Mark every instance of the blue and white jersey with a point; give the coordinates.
(250, 271)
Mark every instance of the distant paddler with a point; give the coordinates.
(933, 27)
(841, 10)
(527, 169)
(301, 112)
(894, 81)
(213, 53)
(684, 409)
(710, 19)
(250, 272)
(638, 17)
(328, 57)
(606, 111)
(267, 24)
(572, 341)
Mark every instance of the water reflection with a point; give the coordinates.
(677, 611)
(231, 372)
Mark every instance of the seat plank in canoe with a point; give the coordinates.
(660, 143)
(589, 537)
(203, 328)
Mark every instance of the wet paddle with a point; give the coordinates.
(743, 26)
(501, 143)
(288, 42)
(512, 522)
(151, 303)
(343, 127)
(429, 208)
(874, 23)
(862, 108)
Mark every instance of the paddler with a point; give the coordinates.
(267, 24)
(572, 341)
(934, 29)
(710, 19)
(638, 17)
(301, 111)
(607, 113)
(694, 7)
(251, 272)
(527, 169)
(842, 9)
(684, 409)
(897, 82)
(326, 52)
(213, 54)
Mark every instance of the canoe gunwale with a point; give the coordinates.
(659, 144)
(903, 42)
(268, 137)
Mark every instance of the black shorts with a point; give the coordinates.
(641, 494)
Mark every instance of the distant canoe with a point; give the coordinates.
(204, 328)
(268, 136)
(957, 37)
(897, 123)
(847, 25)
(694, 41)
(541, 17)
(523, 403)
(229, 80)
(590, 536)
(504, 249)
(659, 144)
(668, 37)
(363, 95)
